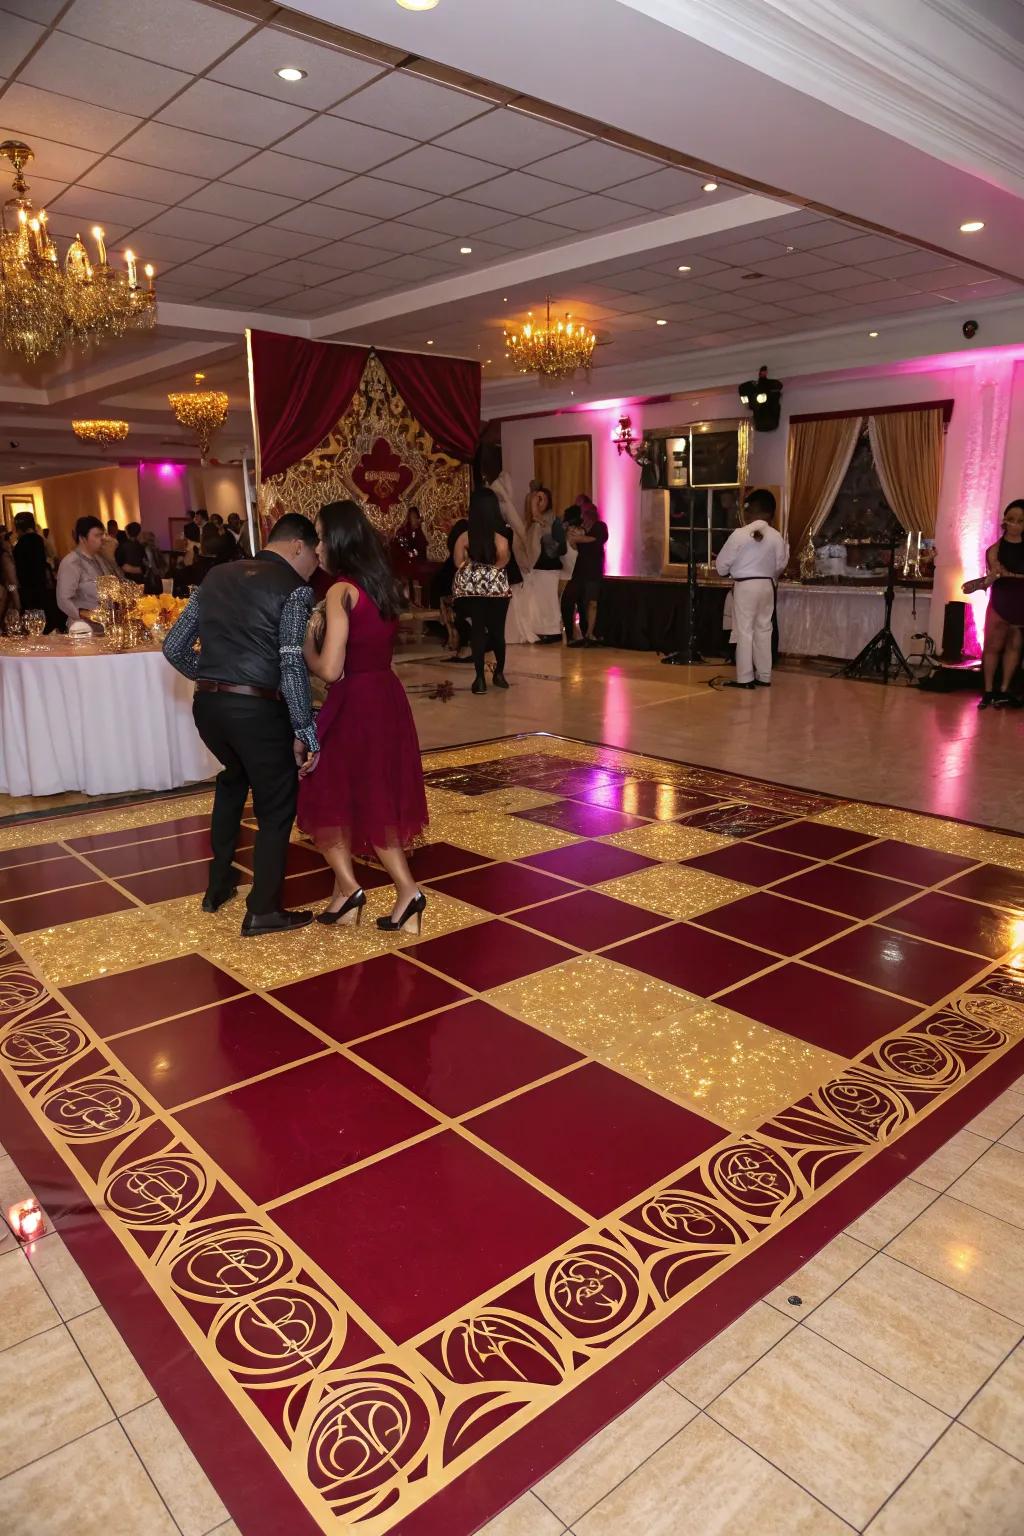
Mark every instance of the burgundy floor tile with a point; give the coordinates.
(589, 920)
(850, 891)
(303, 890)
(898, 963)
(207, 1051)
(691, 958)
(50, 875)
(418, 1235)
(658, 802)
(946, 919)
(787, 927)
(300, 1125)
(489, 954)
(12, 857)
(170, 884)
(814, 839)
(71, 906)
(437, 859)
(359, 999)
(501, 887)
(151, 992)
(575, 782)
(595, 1136)
(750, 864)
(824, 1010)
(589, 863)
(466, 1056)
(735, 820)
(993, 883)
(301, 857)
(586, 820)
(902, 861)
(156, 829)
(158, 853)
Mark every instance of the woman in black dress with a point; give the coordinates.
(1004, 621)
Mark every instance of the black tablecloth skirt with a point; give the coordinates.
(652, 616)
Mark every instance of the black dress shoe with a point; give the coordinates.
(577, 645)
(499, 680)
(212, 901)
(732, 683)
(479, 686)
(253, 924)
(760, 683)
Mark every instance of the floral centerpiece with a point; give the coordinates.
(158, 614)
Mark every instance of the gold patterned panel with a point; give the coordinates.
(668, 840)
(929, 832)
(502, 837)
(589, 1000)
(101, 946)
(674, 891)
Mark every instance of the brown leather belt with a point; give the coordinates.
(252, 693)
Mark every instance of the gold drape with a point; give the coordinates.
(564, 465)
(907, 450)
(818, 457)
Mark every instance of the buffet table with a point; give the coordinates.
(78, 716)
(834, 621)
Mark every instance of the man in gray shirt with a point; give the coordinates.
(79, 572)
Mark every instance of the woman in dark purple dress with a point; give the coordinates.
(1004, 620)
(366, 794)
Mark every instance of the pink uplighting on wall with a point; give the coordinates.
(977, 521)
(615, 479)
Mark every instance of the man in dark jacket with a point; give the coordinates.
(253, 709)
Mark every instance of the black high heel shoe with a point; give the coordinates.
(355, 903)
(415, 909)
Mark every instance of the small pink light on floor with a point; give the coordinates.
(26, 1220)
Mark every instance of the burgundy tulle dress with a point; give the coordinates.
(368, 784)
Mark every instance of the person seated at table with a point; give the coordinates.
(154, 564)
(35, 578)
(130, 556)
(79, 572)
(216, 547)
(409, 552)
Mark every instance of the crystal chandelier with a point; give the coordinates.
(554, 350)
(200, 411)
(103, 433)
(44, 307)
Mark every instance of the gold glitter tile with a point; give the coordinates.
(508, 800)
(95, 823)
(100, 946)
(445, 802)
(929, 832)
(275, 959)
(667, 840)
(674, 891)
(502, 837)
(591, 1001)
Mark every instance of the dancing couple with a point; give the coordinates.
(354, 775)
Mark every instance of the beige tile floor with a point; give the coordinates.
(890, 1400)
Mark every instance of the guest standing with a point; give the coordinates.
(456, 624)
(584, 589)
(367, 794)
(481, 586)
(79, 572)
(35, 579)
(9, 597)
(755, 556)
(1004, 619)
(409, 552)
(253, 709)
(546, 544)
(130, 556)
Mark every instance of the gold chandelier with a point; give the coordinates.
(555, 351)
(102, 433)
(45, 308)
(201, 411)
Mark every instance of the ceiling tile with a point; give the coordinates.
(67, 225)
(875, 292)
(45, 191)
(699, 265)
(190, 225)
(308, 301)
(798, 263)
(17, 36)
(747, 253)
(956, 276)
(228, 258)
(437, 170)
(417, 107)
(974, 293)
(199, 153)
(413, 268)
(663, 190)
(482, 251)
(350, 146)
(57, 164)
(345, 257)
(728, 279)
(43, 11)
(814, 304)
(330, 73)
(814, 235)
(185, 34)
(259, 289)
(452, 216)
(212, 108)
(775, 292)
(285, 174)
(691, 293)
(594, 166)
(527, 234)
(306, 274)
(517, 193)
(35, 112)
(330, 223)
(99, 207)
(354, 285)
(863, 248)
(397, 237)
(911, 264)
(639, 281)
(166, 248)
(510, 138)
(908, 302)
(240, 202)
(274, 241)
(74, 67)
(836, 280)
(628, 303)
(130, 180)
(595, 212)
(382, 199)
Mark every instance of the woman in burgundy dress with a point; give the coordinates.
(1004, 620)
(366, 794)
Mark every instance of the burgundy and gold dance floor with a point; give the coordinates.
(394, 1223)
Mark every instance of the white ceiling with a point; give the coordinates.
(339, 206)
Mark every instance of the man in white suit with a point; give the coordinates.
(755, 557)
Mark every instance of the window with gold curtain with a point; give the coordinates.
(907, 449)
(819, 456)
(565, 465)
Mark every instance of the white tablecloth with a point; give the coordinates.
(839, 621)
(97, 723)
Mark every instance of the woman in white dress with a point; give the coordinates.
(546, 545)
(519, 629)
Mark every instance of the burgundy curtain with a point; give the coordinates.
(443, 393)
(300, 388)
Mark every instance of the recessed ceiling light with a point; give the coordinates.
(972, 226)
(684, 269)
(465, 250)
(872, 334)
(661, 322)
(417, 5)
(710, 186)
(291, 74)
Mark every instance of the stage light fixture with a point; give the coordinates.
(763, 398)
(291, 74)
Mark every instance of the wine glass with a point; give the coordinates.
(13, 625)
(35, 621)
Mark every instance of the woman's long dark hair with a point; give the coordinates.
(485, 520)
(353, 549)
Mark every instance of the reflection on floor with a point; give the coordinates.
(394, 1224)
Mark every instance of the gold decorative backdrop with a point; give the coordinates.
(379, 455)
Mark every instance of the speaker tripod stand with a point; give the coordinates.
(882, 655)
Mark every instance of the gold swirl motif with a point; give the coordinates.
(922, 1058)
(754, 1177)
(19, 991)
(993, 1012)
(228, 1264)
(366, 1429)
(501, 1346)
(93, 1108)
(157, 1191)
(869, 1106)
(281, 1334)
(681, 1218)
(37, 1046)
(1005, 983)
(592, 1291)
